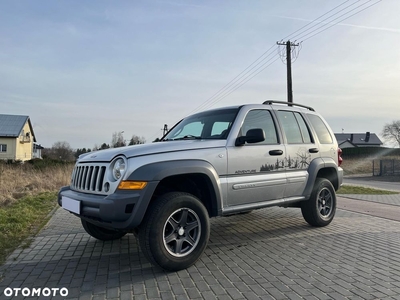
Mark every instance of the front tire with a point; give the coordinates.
(320, 209)
(101, 233)
(175, 231)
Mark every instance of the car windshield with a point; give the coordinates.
(206, 125)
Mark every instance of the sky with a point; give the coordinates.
(83, 70)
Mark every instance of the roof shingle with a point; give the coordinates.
(358, 138)
(11, 125)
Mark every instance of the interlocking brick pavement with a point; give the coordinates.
(267, 254)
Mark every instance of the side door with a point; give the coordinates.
(301, 150)
(256, 171)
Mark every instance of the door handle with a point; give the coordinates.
(313, 150)
(275, 152)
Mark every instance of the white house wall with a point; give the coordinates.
(11, 146)
(24, 150)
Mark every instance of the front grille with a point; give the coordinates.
(89, 178)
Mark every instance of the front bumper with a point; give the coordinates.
(123, 210)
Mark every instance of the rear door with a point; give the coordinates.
(301, 149)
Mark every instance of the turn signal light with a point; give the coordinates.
(132, 185)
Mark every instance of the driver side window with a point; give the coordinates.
(261, 118)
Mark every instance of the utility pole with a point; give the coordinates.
(289, 46)
(165, 130)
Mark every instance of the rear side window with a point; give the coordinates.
(305, 133)
(295, 128)
(320, 128)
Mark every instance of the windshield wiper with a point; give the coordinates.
(188, 137)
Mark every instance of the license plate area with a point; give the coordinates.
(71, 205)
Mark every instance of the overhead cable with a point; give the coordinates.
(238, 77)
(308, 36)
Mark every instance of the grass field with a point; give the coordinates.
(27, 195)
(352, 166)
(23, 219)
(351, 189)
(17, 181)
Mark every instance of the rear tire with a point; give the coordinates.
(320, 209)
(175, 231)
(101, 233)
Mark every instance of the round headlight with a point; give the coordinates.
(119, 168)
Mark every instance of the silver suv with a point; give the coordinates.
(214, 163)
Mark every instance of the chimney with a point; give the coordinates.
(367, 136)
(351, 137)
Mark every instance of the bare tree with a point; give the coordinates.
(118, 140)
(135, 140)
(81, 151)
(59, 151)
(391, 132)
(101, 147)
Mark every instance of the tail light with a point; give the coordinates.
(339, 154)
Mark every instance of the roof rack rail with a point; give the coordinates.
(270, 102)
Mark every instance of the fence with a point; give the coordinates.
(386, 167)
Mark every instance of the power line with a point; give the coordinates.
(357, 12)
(290, 46)
(248, 73)
(237, 81)
(283, 53)
(289, 36)
(322, 21)
(234, 80)
(244, 80)
(240, 79)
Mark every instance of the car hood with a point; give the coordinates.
(148, 149)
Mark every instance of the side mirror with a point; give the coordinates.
(252, 136)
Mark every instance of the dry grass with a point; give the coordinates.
(17, 181)
(352, 166)
(357, 166)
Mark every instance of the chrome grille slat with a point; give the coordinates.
(94, 178)
(101, 178)
(84, 173)
(89, 178)
(78, 185)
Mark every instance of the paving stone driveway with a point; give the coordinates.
(267, 254)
